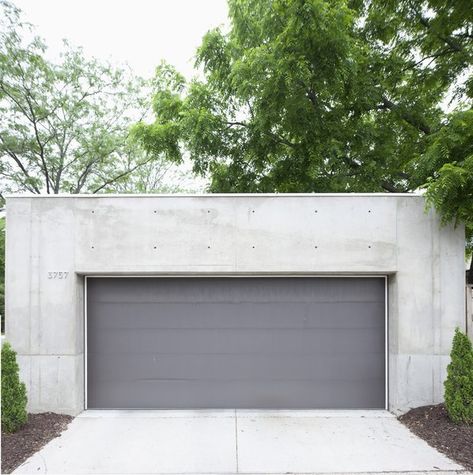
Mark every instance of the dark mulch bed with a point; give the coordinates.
(432, 424)
(36, 433)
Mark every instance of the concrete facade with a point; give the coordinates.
(53, 242)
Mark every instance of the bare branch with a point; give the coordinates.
(121, 175)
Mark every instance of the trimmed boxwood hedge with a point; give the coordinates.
(459, 382)
(14, 398)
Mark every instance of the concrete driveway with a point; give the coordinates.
(230, 442)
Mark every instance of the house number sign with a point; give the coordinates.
(58, 275)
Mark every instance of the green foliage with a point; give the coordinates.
(272, 95)
(432, 39)
(459, 382)
(14, 398)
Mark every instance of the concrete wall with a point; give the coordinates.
(228, 235)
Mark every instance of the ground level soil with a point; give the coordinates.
(432, 424)
(36, 433)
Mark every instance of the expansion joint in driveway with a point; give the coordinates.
(236, 440)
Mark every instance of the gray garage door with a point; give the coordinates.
(236, 343)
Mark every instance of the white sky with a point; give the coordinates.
(139, 32)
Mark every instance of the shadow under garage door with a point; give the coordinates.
(279, 343)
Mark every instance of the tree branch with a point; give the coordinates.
(23, 169)
(446, 39)
(121, 175)
(275, 137)
(420, 125)
(83, 176)
(40, 144)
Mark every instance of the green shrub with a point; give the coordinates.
(459, 383)
(14, 398)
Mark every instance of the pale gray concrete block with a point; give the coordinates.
(52, 382)
(419, 380)
(18, 276)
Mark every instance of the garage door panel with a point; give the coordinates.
(235, 290)
(177, 394)
(236, 343)
(237, 315)
(234, 366)
(269, 340)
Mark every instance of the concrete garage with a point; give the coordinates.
(231, 301)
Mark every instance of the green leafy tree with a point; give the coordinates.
(64, 127)
(315, 95)
(459, 382)
(14, 398)
(273, 111)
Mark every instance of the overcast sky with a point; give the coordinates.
(138, 32)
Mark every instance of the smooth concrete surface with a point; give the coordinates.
(231, 442)
(228, 235)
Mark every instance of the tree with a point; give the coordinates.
(272, 114)
(459, 382)
(322, 95)
(64, 127)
